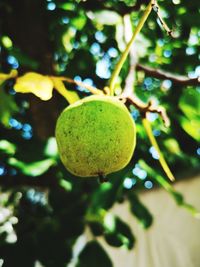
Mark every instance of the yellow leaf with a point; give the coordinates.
(39, 85)
(70, 96)
(4, 77)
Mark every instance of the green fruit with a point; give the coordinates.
(95, 136)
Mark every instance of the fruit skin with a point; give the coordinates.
(95, 136)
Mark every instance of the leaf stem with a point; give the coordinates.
(126, 51)
(154, 143)
(59, 86)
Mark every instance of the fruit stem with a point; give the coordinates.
(126, 51)
(102, 178)
(154, 143)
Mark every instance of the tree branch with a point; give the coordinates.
(90, 88)
(163, 75)
(128, 95)
(144, 108)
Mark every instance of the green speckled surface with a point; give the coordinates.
(95, 135)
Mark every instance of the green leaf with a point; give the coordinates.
(106, 194)
(51, 149)
(34, 168)
(172, 146)
(7, 42)
(79, 22)
(190, 103)
(121, 235)
(140, 211)
(191, 127)
(68, 39)
(102, 198)
(8, 107)
(7, 147)
(67, 6)
(93, 255)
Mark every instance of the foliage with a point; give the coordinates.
(60, 46)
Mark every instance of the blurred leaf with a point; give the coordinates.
(121, 235)
(65, 184)
(32, 169)
(189, 103)
(68, 39)
(191, 126)
(79, 22)
(8, 107)
(102, 198)
(178, 197)
(67, 6)
(105, 196)
(140, 211)
(7, 42)
(107, 17)
(119, 37)
(172, 146)
(93, 255)
(51, 149)
(96, 228)
(39, 85)
(7, 147)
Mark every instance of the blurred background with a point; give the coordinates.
(50, 218)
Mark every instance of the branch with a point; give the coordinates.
(156, 8)
(163, 75)
(149, 107)
(129, 96)
(90, 88)
(144, 108)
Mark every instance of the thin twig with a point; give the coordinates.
(163, 75)
(156, 8)
(145, 108)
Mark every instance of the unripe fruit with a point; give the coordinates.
(95, 136)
